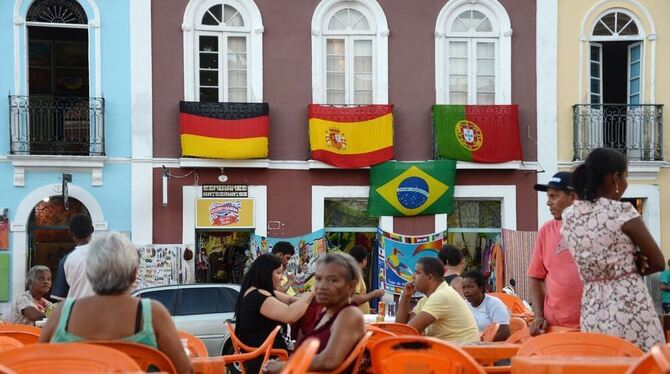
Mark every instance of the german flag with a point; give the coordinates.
(351, 137)
(224, 130)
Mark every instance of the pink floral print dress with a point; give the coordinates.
(615, 300)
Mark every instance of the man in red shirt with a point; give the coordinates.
(555, 286)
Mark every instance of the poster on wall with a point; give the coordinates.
(159, 265)
(224, 213)
(399, 253)
(308, 247)
(4, 232)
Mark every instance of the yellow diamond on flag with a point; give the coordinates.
(412, 191)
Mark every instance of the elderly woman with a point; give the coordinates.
(486, 309)
(260, 307)
(112, 314)
(31, 306)
(340, 326)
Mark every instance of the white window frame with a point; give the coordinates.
(253, 30)
(378, 34)
(600, 72)
(506, 194)
(321, 193)
(502, 33)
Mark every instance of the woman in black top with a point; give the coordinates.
(260, 308)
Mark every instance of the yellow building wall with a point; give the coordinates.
(575, 22)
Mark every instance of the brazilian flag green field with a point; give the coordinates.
(411, 188)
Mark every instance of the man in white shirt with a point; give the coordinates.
(81, 229)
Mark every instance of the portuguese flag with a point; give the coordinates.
(411, 188)
(351, 137)
(224, 130)
(477, 133)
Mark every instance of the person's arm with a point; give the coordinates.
(50, 327)
(537, 294)
(274, 309)
(499, 314)
(421, 321)
(168, 339)
(359, 299)
(404, 313)
(32, 314)
(637, 231)
(284, 298)
(347, 329)
(60, 287)
(503, 333)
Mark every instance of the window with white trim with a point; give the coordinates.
(222, 44)
(473, 53)
(349, 53)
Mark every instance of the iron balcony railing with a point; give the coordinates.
(635, 130)
(48, 125)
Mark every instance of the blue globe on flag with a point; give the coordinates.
(412, 192)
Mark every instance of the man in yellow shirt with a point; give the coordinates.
(362, 297)
(285, 250)
(442, 313)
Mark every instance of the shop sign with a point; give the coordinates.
(225, 190)
(224, 213)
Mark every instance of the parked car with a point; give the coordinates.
(200, 309)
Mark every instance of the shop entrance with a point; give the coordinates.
(48, 231)
(220, 255)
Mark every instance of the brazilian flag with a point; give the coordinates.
(411, 188)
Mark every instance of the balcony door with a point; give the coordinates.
(58, 79)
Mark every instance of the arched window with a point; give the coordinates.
(473, 53)
(57, 11)
(615, 24)
(223, 51)
(349, 53)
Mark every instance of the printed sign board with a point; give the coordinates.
(224, 213)
(225, 190)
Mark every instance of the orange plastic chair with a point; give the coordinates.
(6, 370)
(520, 336)
(211, 365)
(145, 356)
(302, 357)
(396, 328)
(23, 333)
(516, 324)
(195, 346)
(657, 361)
(489, 333)
(377, 335)
(7, 343)
(513, 303)
(421, 354)
(579, 344)
(65, 358)
(240, 347)
(355, 358)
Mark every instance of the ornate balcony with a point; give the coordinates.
(48, 125)
(634, 130)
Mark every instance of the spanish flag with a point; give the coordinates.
(224, 130)
(351, 137)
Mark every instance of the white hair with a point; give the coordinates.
(34, 272)
(111, 263)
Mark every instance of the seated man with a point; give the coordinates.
(442, 313)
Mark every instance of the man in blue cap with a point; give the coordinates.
(555, 286)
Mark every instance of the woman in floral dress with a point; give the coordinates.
(604, 235)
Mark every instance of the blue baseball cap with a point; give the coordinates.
(560, 181)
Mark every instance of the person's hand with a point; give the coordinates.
(273, 366)
(538, 326)
(377, 293)
(291, 278)
(408, 290)
(641, 262)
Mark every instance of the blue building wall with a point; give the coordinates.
(114, 195)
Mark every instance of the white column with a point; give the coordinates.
(547, 74)
(141, 122)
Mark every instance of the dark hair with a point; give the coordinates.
(432, 266)
(259, 276)
(588, 177)
(81, 226)
(477, 277)
(359, 253)
(450, 255)
(285, 248)
(352, 271)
